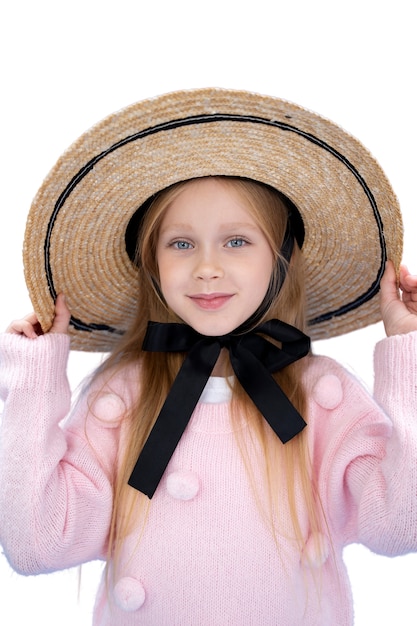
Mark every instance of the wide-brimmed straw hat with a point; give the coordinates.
(75, 235)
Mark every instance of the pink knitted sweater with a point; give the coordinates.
(205, 556)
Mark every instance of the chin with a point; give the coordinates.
(213, 330)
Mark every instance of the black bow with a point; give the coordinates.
(253, 358)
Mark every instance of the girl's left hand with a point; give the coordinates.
(398, 307)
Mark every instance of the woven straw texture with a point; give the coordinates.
(74, 240)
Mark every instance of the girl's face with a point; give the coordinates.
(214, 261)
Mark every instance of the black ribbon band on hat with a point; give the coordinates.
(253, 359)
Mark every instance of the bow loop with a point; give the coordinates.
(253, 359)
(294, 344)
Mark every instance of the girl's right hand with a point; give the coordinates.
(29, 326)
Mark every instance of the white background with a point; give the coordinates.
(65, 65)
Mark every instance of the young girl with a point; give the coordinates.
(215, 464)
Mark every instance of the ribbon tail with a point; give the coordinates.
(266, 394)
(174, 417)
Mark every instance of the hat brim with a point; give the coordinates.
(75, 233)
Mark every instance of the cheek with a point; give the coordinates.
(265, 270)
(169, 278)
(261, 286)
(162, 266)
(164, 277)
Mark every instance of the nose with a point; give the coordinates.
(208, 266)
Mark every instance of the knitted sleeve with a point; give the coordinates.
(55, 482)
(396, 392)
(371, 466)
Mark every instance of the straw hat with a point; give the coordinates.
(75, 234)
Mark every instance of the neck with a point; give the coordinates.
(220, 369)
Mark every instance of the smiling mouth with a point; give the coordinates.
(211, 301)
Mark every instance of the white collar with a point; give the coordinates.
(216, 391)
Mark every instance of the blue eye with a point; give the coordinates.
(182, 245)
(236, 242)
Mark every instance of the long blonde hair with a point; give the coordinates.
(286, 469)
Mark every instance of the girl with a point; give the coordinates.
(215, 464)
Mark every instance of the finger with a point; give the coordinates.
(389, 290)
(28, 326)
(408, 284)
(62, 316)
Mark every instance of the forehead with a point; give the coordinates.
(209, 198)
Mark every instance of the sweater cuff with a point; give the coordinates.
(395, 362)
(29, 363)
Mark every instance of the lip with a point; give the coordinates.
(211, 301)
